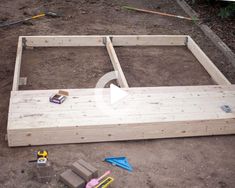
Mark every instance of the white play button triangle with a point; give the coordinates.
(116, 93)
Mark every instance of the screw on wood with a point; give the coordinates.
(226, 108)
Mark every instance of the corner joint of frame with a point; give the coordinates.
(186, 41)
(104, 40)
(111, 38)
(24, 42)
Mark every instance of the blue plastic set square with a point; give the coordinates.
(120, 162)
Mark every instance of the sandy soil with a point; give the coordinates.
(52, 68)
(184, 162)
(161, 66)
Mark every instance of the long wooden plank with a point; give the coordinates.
(149, 40)
(116, 132)
(212, 70)
(64, 41)
(32, 101)
(90, 103)
(161, 93)
(162, 97)
(98, 40)
(16, 77)
(142, 90)
(145, 110)
(42, 102)
(141, 94)
(70, 120)
(116, 65)
(158, 109)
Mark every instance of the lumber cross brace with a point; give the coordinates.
(116, 65)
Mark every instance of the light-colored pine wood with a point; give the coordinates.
(151, 99)
(98, 40)
(116, 65)
(149, 40)
(64, 41)
(168, 89)
(144, 113)
(117, 132)
(16, 77)
(212, 70)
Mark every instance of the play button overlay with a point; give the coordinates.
(111, 101)
(116, 94)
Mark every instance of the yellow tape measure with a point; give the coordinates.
(42, 153)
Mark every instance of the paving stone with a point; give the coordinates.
(89, 167)
(71, 179)
(82, 171)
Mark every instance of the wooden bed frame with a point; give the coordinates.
(155, 112)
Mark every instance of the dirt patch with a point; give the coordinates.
(184, 162)
(53, 68)
(161, 66)
(81, 67)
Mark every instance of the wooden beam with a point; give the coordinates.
(117, 40)
(149, 40)
(146, 113)
(63, 41)
(16, 77)
(104, 133)
(212, 70)
(116, 65)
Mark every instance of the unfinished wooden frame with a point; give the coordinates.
(31, 123)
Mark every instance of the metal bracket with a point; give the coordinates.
(24, 42)
(104, 40)
(186, 41)
(226, 108)
(23, 81)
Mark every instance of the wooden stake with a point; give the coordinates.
(159, 13)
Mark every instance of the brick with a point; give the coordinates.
(81, 171)
(71, 179)
(89, 167)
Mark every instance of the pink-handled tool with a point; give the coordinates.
(93, 182)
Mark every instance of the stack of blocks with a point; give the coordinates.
(80, 173)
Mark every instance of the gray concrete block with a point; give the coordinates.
(82, 171)
(71, 179)
(89, 167)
